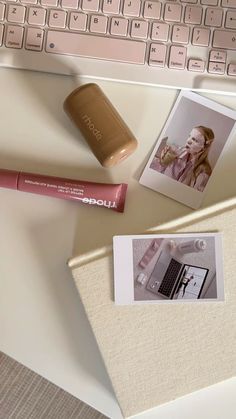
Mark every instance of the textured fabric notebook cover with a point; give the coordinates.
(156, 353)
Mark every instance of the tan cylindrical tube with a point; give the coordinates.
(108, 136)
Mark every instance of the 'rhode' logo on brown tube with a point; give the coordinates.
(97, 134)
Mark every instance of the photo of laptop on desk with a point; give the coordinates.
(178, 269)
(171, 282)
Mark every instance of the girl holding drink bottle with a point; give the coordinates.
(188, 164)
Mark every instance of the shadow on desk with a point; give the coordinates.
(51, 246)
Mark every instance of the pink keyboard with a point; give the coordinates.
(183, 39)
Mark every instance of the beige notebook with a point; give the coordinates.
(156, 353)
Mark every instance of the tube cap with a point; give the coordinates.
(8, 179)
(200, 244)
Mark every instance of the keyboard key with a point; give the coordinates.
(218, 56)
(173, 12)
(216, 68)
(209, 2)
(2, 11)
(36, 16)
(28, 1)
(229, 3)
(193, 15)
(119, 26)
(196, 65)
(100, 47)
(160, 31)
(152, 10)
(213, 17)
(111, 7)
(16, 13)
(90, 5)
(139, 29)
(157, 55)
(69, 4)
(34, 39)
(232, 70)
(49, 3)
(224, 39)
(177, 57)
(180, 34)
(230, 21)
(1, 33)
(57, 19)
(131, 7)
(14, 36)
(98, 24)
(201, 37)
(78, 21)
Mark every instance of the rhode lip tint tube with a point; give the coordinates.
(101, 194)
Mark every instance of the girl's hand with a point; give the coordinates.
(168, 154)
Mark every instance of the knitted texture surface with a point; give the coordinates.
(156, 353)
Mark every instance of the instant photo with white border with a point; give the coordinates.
(168, 268)
(186, 176)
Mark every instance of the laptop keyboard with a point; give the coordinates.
(197, 36)
(169, 280)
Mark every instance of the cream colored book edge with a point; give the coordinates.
(154, 354)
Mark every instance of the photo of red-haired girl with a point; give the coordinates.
(188, 164)
(183, 160)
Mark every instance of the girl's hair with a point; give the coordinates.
(203, 162)
(207, 133)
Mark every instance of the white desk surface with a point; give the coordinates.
(43, 324)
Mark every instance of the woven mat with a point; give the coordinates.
(26, 395)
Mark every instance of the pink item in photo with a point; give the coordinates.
(150, 252)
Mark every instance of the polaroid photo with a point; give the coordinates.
(168, 268)
(189, 146)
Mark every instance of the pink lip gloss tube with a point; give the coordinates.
(101, 194)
